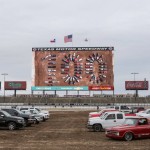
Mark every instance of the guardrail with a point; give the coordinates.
(70, 105)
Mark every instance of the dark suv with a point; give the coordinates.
(29, 119)
(11, 122)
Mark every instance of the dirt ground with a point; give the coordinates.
(65, 131)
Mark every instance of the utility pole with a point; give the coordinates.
(4, 74)
(136, 91)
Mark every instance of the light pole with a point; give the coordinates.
(136, 91)
(4, 74)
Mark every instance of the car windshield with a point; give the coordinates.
(26, 111)
(23, 108)
(34, 111)
(20, 112)
(141, 108)
(147, 111)
(103, 116)
(38, 109)
(130, 121)
(132, 108)
(6, 113)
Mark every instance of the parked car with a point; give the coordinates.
(132, 128)
(38, 117)
(122, 108)
(29, 119)
(10, 122)
(109, 119)
(44, 113)
(145, 113)
(137, 109)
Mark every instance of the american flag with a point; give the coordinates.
(68, 38)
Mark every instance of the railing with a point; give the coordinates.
(71, 106)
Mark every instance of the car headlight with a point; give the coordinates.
(19, 121)
(31, 117)
(116, 133)
(108, 132)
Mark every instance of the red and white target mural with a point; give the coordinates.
(73, 66)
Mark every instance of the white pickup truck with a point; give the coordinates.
(109, 119)
(145, 113)
(122, 108)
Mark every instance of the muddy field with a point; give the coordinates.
(65, 131)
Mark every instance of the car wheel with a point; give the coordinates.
(37, 122)
(25, 122)
(97, 128)
(128, 136)
(44, 119)
(11, 126)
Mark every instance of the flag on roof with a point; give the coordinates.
(68, 38)
(53, 41)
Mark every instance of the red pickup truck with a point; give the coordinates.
(133, 128)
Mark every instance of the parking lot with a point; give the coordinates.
(65, 131)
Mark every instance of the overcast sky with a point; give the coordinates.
(124, 24)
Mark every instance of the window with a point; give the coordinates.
(110, 116)
(14, 112)
(31, 111)
(130, 121)
(117, 107)
(119, 116)
(1, 114)
(23, 108)
(148, 112)
(124, 107)
(142, 121)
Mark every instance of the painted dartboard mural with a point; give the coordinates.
(73, 66)
(96, 68)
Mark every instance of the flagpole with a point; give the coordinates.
(72, 40)
(88, 41)
(55, 43)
